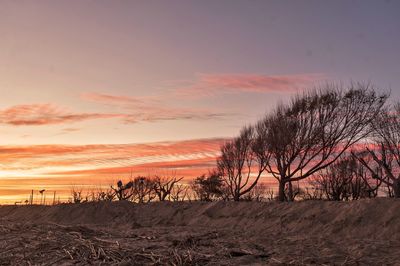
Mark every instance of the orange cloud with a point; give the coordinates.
(105, 156)
(209, 85)
(187, 168)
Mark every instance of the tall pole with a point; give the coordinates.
(31, 199)
(54, 198)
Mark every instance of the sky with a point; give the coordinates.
(93, 91)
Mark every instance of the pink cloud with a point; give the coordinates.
(209, 85)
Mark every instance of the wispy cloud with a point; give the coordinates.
(71, 129)
(154, 114)
(152, 108)
(110, 99)
(210, 85)
(49, 114)
(45, 114)
(110, 159)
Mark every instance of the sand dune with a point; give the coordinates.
(217, 233)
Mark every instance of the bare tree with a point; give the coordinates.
(179, 192)
(258, 193)
(335, 181)
(385, 151)
(363, 185)
(163, 186)
(346, 179)
(103, 194)
(240, 164)
(123, 192)
(142, 189)
(389, 191)
(312, 193)
(315, 129)
(210, 187)
(77, 194)
(293, 191)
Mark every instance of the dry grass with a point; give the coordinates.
(203, 234)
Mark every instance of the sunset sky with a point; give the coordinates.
(94, 90)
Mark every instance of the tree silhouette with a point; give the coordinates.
(314, 130)
(385, 152)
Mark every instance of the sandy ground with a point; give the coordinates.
(365, 232)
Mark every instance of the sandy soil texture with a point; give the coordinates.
(363, 232)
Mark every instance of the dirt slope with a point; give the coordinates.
(216, 233)
(364, 218)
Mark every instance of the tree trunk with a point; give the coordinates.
(236, 197)
(281, 195)
(396, 188)
(290, 191)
